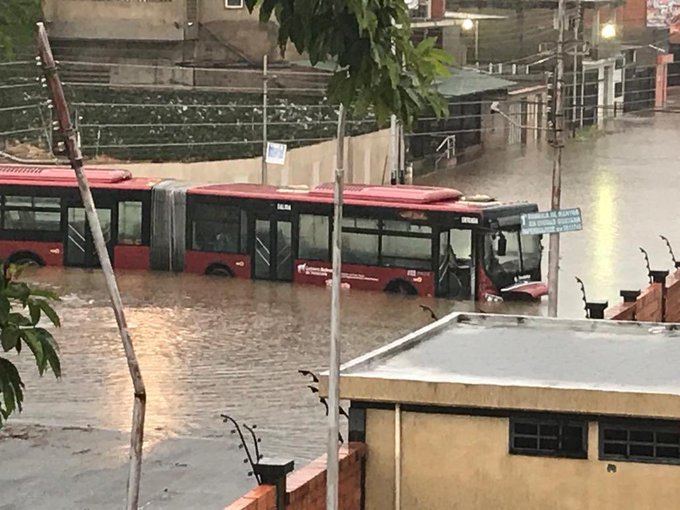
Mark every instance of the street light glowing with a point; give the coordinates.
(468, 24)
(608, 31)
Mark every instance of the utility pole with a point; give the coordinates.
(394, 147)
(265, 92)
(332, 467)
(76, 160)
(558, 143)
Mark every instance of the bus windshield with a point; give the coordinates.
(509, 256)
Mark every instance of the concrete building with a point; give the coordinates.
(189, 33)
(505, 412)
(203, 32)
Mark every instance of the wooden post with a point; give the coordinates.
(76, 160)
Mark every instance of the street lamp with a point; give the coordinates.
(467, 25)
(608, 31)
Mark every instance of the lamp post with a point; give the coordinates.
(467, 25)
(608, 31)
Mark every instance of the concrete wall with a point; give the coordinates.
(462, 462)
(306, 488)
(222, 35)
(365, 162)
(112, 19)
(517, 35)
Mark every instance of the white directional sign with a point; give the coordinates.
(552, 222)
(276, 153)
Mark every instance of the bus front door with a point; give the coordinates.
(79, 243)
(273, 249)
(455, 269)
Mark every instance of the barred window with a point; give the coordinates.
(551, 437)
(640, 443)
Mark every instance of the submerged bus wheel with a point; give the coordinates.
(219, 270)
(26, 258)
(400, 286)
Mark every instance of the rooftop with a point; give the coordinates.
(529, 363)
(460, 82)
(61, 176)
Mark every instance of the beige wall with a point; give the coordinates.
(91, 19)
(365, 159)
(214, 10)
(462, 462)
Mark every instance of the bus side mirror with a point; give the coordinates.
(502, 246)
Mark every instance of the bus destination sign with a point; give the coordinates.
(552, 222)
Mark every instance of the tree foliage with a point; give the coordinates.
(379, 67)
(17, 25)
(21, 309)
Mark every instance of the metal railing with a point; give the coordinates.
(447, 148)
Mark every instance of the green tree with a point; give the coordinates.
(17, 25)
(21, 308)
(379, 68)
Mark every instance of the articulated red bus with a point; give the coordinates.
(411, 239)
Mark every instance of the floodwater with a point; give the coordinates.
(208, 346)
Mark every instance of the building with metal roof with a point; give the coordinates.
(483, 411)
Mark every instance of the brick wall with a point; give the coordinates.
(658, 302)
(649, 306)
(673, 298)
(622, 312)
(306, 487)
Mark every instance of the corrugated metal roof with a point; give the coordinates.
(465, 82)
(461, 82)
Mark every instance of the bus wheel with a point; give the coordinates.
(26, 258)
(400, 286)
(219, 270)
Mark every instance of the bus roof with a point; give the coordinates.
(65, 177)
(414, 197)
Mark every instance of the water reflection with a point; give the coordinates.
(626, 186)
(208, 346)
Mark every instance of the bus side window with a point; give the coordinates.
(314, 237)
(215, 228)
(360, 241)
(130, 223)
(32, 213)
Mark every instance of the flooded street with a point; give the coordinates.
(209, 346)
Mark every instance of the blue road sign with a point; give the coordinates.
(552, 222)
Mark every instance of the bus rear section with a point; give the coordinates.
(43, 222)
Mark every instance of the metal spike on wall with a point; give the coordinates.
(252, 449)
(676, 264)
(649, 268)
(583, 295)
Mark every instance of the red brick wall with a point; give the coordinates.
(673, 297)
(622, 312)
(438, 8)
(635, 13)
(306, 487)
(649, 304)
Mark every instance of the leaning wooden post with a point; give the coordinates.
(76, 159)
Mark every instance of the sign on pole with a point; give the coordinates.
(276, 153)
(552, 222)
